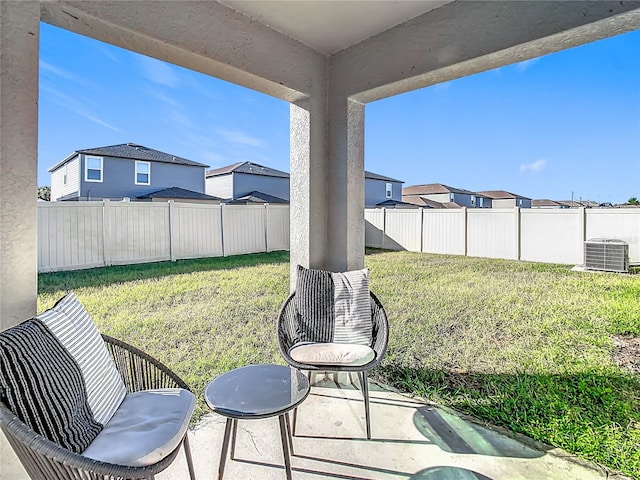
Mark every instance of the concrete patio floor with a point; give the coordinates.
(411, 440)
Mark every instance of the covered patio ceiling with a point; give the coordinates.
(329, 26)
(327, 58)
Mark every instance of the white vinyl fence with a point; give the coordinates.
(92, 234)
(80, 235)
(536, 235)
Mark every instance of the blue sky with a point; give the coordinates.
(545, 128)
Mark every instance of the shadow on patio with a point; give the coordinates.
(411, 440)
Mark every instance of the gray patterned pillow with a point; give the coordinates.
(42, 384)
(333, 307)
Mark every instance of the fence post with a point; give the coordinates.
(222, 205)
(518, 239)
(421, 230)
(384, 225)
(465, 230)
(582, 228)
(106, 231)
(172, 232)
(266, 227)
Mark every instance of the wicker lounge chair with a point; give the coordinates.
(45, 459)
(288, 337)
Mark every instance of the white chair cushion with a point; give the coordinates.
(146, 428)
(332, 354)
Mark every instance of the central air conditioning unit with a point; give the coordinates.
(609, 255)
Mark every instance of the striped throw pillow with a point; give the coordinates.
(333, 307)
(70, 322)
(42, 385)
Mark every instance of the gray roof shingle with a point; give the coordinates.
(247, 167)
(257, 197)
(375, 176)
(177, 192)
(433, 188)
(132, 151)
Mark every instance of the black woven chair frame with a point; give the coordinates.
(288, 337)
(46, 460)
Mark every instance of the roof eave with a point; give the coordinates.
(63, 161)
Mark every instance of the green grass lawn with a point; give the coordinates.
(522, 345)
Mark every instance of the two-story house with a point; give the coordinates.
(504, 199)
(248, 182)
(124, 171)
(380, 190)
(449, 197)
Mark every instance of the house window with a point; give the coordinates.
(93, 169)
(143, 173)
(473, 201)
(64, 175)
(480, 202)
(389, 190)
(452, 197)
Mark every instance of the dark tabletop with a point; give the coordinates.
(257, 391)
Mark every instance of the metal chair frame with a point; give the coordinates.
(46, 460)
(288, 337)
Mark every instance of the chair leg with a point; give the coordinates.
(353, 384)
(365, 393)
(187, 453)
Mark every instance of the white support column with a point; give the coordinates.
(19, 36)
(308, 210)
(19, 50)
(327, 183)
(345, 199)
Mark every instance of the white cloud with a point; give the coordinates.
(235, 136)
(108, 53)
(533, 167)
(527, 64)
(159, 72)
(74, 105)
(95, 119)
(47, 67)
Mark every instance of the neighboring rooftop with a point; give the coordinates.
(433, 188)
(256, 197)
(570, 203)
(545, 202)
(256, 169)
(501, 194)
(421, 201)
(132, 151)
(181, 193)
(375, 176)
(247, 167)
(396, 204)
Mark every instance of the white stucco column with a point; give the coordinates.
(345, 183)
(327, 182)
(19, 36)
